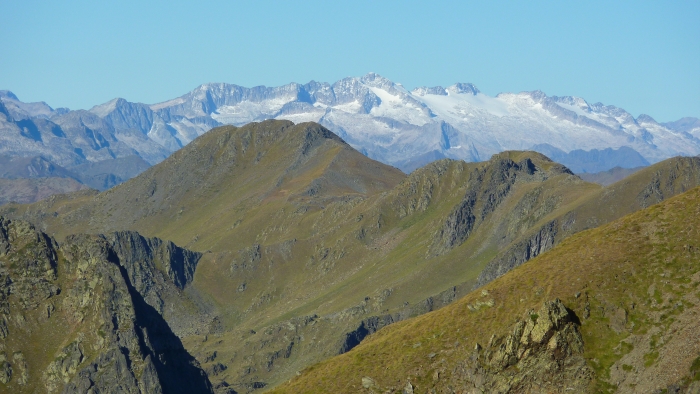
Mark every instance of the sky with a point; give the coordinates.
(643, 56)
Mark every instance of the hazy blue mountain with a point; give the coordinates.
(610, 176)
(593, 161)
(686, 125)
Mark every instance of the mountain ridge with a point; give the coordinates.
(375, 115)
(301, 236)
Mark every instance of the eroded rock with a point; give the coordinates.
(544, 352)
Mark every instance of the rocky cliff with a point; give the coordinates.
(72, 320)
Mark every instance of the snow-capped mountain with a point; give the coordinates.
(408, 128)
(377, 116)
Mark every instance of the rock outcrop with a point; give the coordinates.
(487, 188)
(544, 353)
(77, 303)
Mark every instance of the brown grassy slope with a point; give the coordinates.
(299, 224)
(225, 171)
(646, 187)
(358, 259)
(638, 277)
(236, 188)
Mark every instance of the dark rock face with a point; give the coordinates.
(367, 326)
(487, 189)
(178, 263)
(82, 294)
(678, 176)
(372, 324)
(527, 249)
(670, 178)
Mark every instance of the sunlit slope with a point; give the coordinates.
(353, 261)
(648, 186)
(632, 288)
(304, 237)
(203, 189)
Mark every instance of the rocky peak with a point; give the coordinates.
(612, 111)
(686, 124)
(487, 188)
(321, 92)
(8, 94)
(103, 110)
(125, 115)
(573, 101)
(350, 90)
(423, 90)
(463, 88)
(375, 79)
(314, 133)
(20, 110)
(644, 118)
(537, 96)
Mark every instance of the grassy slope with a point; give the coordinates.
(332, 227)
(645, 264)
(229, 213)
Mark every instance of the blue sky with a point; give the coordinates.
(641, 56)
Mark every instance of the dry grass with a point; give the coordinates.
(234, 188)
(611, 267)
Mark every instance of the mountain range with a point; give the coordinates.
(378, 117)
(255, 252)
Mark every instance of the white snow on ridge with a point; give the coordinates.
(248, 111)
(574, 108)
(393, 106)
(385, 96)
(604, 119)
(302, 117)
(352, 107)
(457, 121)
(459, 105)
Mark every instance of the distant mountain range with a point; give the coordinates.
(380, 118)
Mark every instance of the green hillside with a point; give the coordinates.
(630, 293)
(308, 246)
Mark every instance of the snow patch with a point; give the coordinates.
(460, 105)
